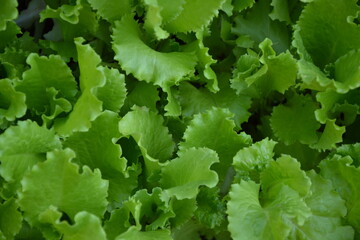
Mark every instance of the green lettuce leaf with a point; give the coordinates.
(325, 32)
(258, 25)
(48, 81)
(88, 106)
(57, 183)
(195, 164)
(113, 93)
(274, 219)
(328, 209)
(10, 219)
(86, 226)
(12, 102)
(97, 147)
(134, 234)
(214, 129)
(194, 101)
(21, 147)
(148, 210)
(250, 161)
(344, 178)
(295, 120)
(167, 69)
(275, 73)
(146, 127)
(8, 12)
(112, 10)
(193, 15)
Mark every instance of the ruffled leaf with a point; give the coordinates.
(250, 219)
(112, 10)
(258, 25)
(62, 187)
(135, 57)
(146, 128)
(86, 226)
(331, 135)
(135, 234)
(10, 219)
(88, 106)
(48, 78)
(113, 93)
(285, 170)
(214, 129)
(345, 179)
(195, 164)
(252, 160)
(295, 120)
(194, 16)
(21, 147)
(325, 32)
(194, 101)
(96, 148)
(12, 102)
(8, 12)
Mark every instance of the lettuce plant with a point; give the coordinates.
(186, 119)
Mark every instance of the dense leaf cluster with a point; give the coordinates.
(186, 119)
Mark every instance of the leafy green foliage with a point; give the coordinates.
(186, 119)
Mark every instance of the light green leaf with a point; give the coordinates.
(118, 223)
(258, 25)
(285, 171)
(68, 13)
(62, 187)
(8, 12)
(274, 219)
(154, 20)
(210, 209)
(142, 94)
(113, 93)
(240, 5)
(255, 157)
(162, 69)
(88, 106)
(48, 78)
(8, 35)
(205, 60)
(149, 210)
(134, 234)
(195, 164)
(214, 129)
(10, 219)
(275, 73)
(112, 10)
(86, 226)
(345, 179)
(331, 135)
(194, 101)
(146, 127)
(12, 103)
(347, 71)
(312, 77)
(184, 210)
(351, 150)
(325, 32)
(71, 21)
(285, 10)
(295, 120)
(97, 147)
(194, 16)
(21, 147)
(328, 209)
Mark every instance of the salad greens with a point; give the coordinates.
(186, 119)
